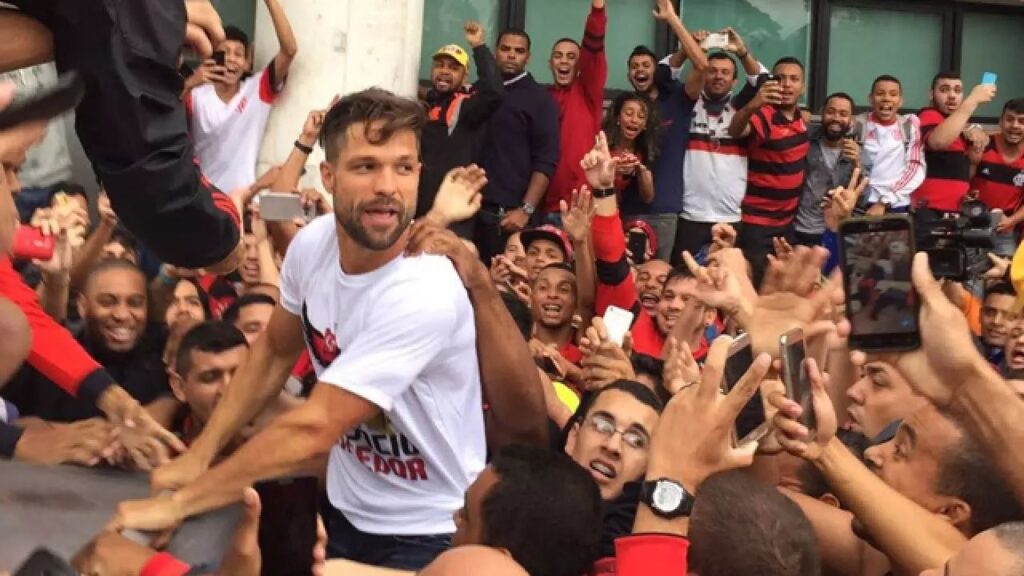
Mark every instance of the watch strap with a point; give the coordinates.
(604, 192)
(303, 148)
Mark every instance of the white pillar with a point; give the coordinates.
(344, 46)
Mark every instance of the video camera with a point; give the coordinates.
(946, 239)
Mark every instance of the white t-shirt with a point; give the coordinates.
(227, 135)
(895, 168)
(403, 338)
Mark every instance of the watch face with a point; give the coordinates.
(667, 496)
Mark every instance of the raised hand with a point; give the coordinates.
(716, 286)
(578, 214)
(665, 11)
(474, 34)
(723, 236)
(982, 94)
(204, 29)
(783, 249)
(1000, 266)
(769, 93)
(459, 196)
(681, 369)
(598, 165)
(793, 436)
(605, 361)
(736, 44)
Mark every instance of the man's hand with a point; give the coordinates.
(459, 197)
(769, 93)
(209, 71)
(851, 151)
(700, 36)
(577, 215)
(160, 514)
(716, 287)
(877, 209)
(981, 94)
(515, 221)
(86, 443)
(681, 369)
(782, 248)
(204, 29)
(1000, 266)
(704, 417)
(177, 473)
(474, 34)
(106, 213)
(605, 361)
(111, 554)
(58, 267)
(665, 11)
(947, 358)
(243, 556)
(146, 441)
(839, 203)
(793, 436)
(429, 239)
(977, 138)
(723, 237)
(314, 123)
(598, 165)
(736, 44)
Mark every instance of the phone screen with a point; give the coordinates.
(798, 383)
(752, 415)
(287, 531)
(638, 247)
(880, 299)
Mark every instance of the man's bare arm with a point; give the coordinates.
(289, 46)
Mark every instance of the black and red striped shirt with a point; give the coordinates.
(947, 179)
(777, 160)
(1000, 184)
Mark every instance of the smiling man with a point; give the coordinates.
(579, 73)
(999, 172)
(893, 151)
(397, 410)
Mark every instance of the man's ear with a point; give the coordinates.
(177, 385)
(327, 177)
(570, 442)
(81, 305)
(958, 513)
(830, 499)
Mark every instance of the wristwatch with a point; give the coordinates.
(604, 192)
(667, 498)
(528, 208)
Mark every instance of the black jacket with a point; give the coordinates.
(453, 135)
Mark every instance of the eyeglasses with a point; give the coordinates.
(606, 427)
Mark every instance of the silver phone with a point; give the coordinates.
(793, 352)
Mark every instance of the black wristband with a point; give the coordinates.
(604, 192)
(303, 148)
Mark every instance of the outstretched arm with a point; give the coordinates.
(289, 46)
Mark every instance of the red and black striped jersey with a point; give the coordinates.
(1000, 184)
(777, 161)
(947, 178)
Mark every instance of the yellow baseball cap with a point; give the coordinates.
(455, 52)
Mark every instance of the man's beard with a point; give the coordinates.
(833, 136)
(350, 222)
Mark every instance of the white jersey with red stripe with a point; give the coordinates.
(715, 168)
(228, 135)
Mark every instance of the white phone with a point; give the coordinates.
(617, 322)
(281, 207)
(715, 40)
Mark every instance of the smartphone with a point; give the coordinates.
(881, 304)
(218, 57)
(989, 78)
(765, 78)
(794, 373)
(30, 244)
(548, 366)
(752, 422)
(715, 40)
(281, 207)
(46, 103)
(287, 531)
(617, 322)
(637, 246)
(43, 562)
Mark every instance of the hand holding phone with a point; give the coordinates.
(989, 78)
(617, 322)
(287, 530)
(31, 244)
(794, 374)
(281, 207)
(752, 422)
(715, 40)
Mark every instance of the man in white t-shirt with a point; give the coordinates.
(228, 106)
(397, 408)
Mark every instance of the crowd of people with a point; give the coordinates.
(437, 336)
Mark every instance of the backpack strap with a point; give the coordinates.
(907, 129)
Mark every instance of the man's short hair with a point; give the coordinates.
(886, 78)
(1000, 288)
(382, 113)
(105, 266)
(649, 366)
(641, 393)
(545, 510)
(789, 60)
(724, 56)
(516, 32)
(1016, 106)
(1011, 537)
(124, 238)
(678, 273)
(231, 314)
(945, 75)
(741, 526)
(966, 472)
(565, 39)
(236, 34)
(642, 50)
(213, 337)
(841, 96)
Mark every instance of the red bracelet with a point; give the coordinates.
(163, 564)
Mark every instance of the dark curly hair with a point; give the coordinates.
(646, 145)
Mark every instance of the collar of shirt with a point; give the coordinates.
(516, 79)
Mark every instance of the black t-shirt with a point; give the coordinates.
(140, 372)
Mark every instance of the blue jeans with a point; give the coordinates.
(399, 552)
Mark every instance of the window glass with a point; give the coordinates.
(994, 43)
